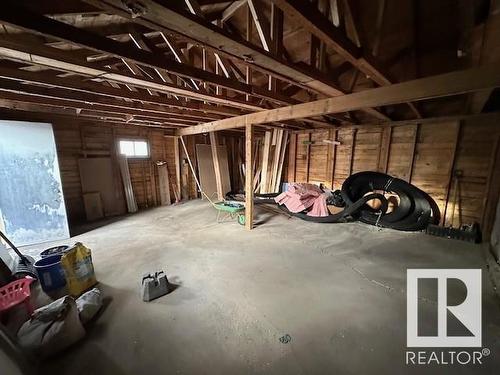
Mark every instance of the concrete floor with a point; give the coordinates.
(338, 291)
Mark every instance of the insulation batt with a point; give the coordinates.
(301, 196)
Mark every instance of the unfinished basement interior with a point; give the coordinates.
(249, 187)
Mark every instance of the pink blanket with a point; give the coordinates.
(300, 197)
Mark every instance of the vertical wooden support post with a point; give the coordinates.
(385, 149)
(215, 157)
(248, 176)
(308, 156)
(248, 69)
(265, 163)
(177, 169)
(353, 146)
(413, 153)
(450, 177)
(292, 155)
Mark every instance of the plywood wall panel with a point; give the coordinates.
(429, 155)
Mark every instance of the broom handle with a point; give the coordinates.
(11, 245)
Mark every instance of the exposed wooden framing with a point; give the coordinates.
(385, 149)
(248, 176)
(292, 152)
(276, 39)
(334, 156)
(194, 7)
(413, 152)
(427, 120)
(276, 159)
(109, 110)
(90, 99)
(334, 13)
(166, 17)
(61, 60)
(308, 156)
(231, 9)
(265, 162)
(425, 88)
(353, 147)
(177, 168)
(98, 90)
(349, 22)
(48, 27)
(248, 37)
(164, 184)
(450, 175)
(220, 63)
(313, 21)
(354, 79)
(215, 157)
(260, 25)
(24, 106)
(279, 174)
(382, 5)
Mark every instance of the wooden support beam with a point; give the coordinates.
(166, 17)
(334, 148)
(96, 102)
(292, 155)
(231, 9)
(194, 7)
(215, 157)
(451, 168)
(62, 60)
(177, 159)
(260, 25)
(349, 22)
(276, 159)
(379, 28)
(97, 108)
(353, 147)
(82, 89)
(21, 18)
(264, 181)
(447, 84)
(413, 152)
(311, 19)
(248, 176)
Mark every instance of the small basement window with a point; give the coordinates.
(134, 148)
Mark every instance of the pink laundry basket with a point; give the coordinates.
(15, 293)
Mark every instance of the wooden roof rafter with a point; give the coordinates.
(449, 84)
(165, 16)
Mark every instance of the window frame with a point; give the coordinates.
(148, 156)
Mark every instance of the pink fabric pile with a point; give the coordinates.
(300, 197)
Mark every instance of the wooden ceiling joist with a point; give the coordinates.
(80, 100)
(28, 21)
(167, 17)
(104, 92)
(448, 84)
(70, 113)
(64, 60)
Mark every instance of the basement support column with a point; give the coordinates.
(248, 176)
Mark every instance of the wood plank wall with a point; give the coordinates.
(86, 139)
(429, 155)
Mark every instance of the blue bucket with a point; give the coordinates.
(50, 273)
